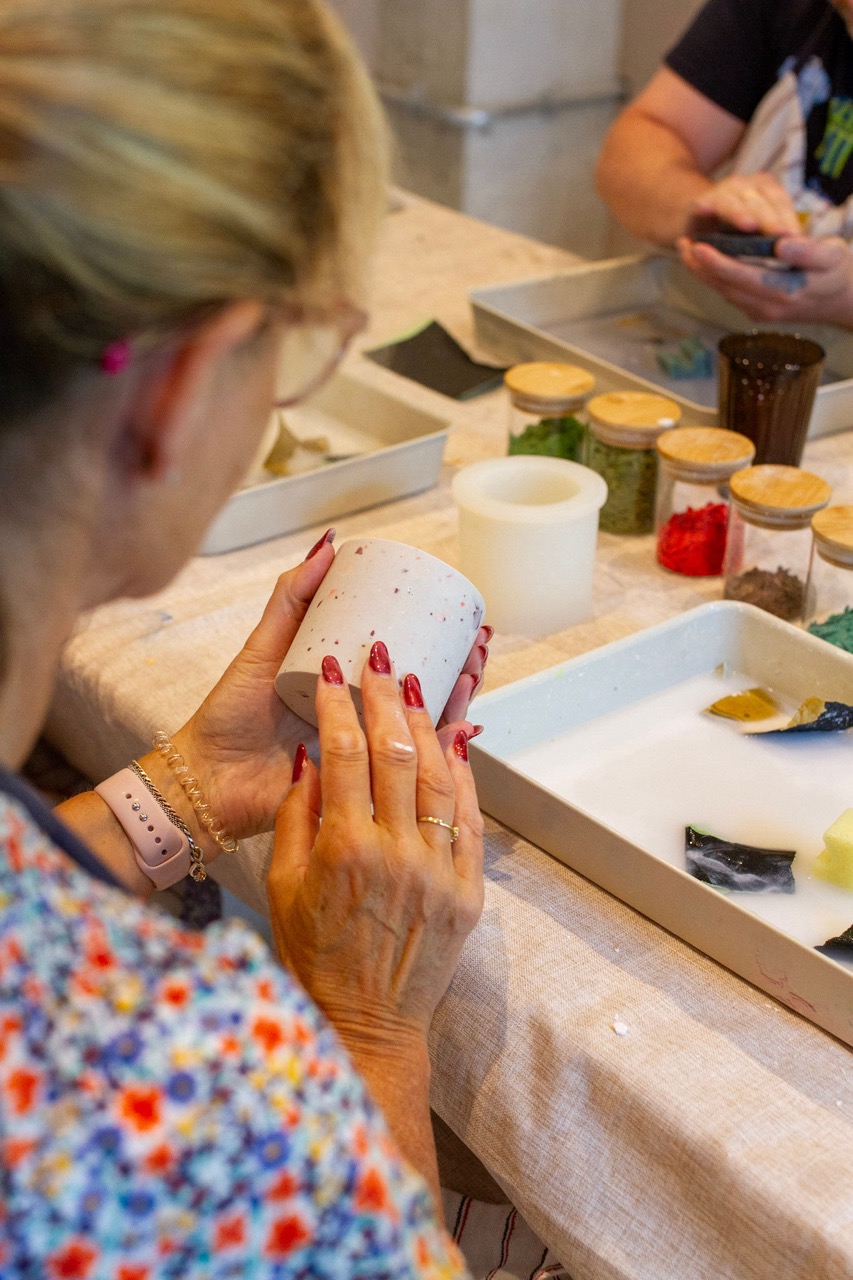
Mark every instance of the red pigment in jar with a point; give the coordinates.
(695, 465)
(693, 542)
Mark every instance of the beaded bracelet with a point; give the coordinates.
(167, 749)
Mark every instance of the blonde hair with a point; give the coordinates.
(161, 157)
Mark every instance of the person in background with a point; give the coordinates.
(764, 89)
(188, 193)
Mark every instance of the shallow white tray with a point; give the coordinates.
(593, 315)
(603, 760)
(396, 450)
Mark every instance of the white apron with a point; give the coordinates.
(775, 142)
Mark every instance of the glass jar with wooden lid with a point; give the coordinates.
(545, 398)
(623, 430)
(768, 545)
(829, 597)
(694, 467)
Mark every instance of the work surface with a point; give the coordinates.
(713, 1138)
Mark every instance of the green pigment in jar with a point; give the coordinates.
(544, 399)
(830, 586)
(623, 429)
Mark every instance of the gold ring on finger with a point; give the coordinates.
(439, 822)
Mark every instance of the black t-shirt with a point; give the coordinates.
(735, 51)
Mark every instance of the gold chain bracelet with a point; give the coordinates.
(167, 749)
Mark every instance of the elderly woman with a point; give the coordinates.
(188, 189)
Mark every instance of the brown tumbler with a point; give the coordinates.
(767, 385)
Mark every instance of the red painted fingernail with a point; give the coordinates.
(476, 731)
(484, 649)
(460, 746)
(412, 693)
(490, 631)
(299, 762)
(380, 662)
(328, 536)
(331, 669)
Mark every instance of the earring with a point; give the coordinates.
(116, 357)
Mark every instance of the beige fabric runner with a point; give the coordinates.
(713, 1139)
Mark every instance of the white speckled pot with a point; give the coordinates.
(426, 612)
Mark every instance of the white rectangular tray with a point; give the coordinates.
(603, 760)
(397, 450)
(597, 315)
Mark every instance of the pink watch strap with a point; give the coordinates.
(161, 849)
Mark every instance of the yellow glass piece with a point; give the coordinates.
(807, 712)
(835, 863)
(751, 704)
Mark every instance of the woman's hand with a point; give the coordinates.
(454, 716)
(241, 742)
(370, 907)
(820, 291)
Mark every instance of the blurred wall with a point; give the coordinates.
(361, 17)
(499, 107)
(648, 31)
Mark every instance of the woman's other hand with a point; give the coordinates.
(241, 742)
(468, 685)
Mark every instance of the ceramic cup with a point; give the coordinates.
(527, 533)
(425, 611)
(767, 386)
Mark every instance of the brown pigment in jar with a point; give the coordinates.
(778, 591)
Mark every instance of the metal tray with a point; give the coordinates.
(396, 450)
(611, 317)
(602, 761)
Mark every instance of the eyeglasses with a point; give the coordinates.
(313, 346)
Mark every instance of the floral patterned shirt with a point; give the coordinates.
(171, 1102)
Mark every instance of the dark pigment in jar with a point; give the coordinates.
(778, 591)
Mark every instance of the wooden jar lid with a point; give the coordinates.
(544, 385)
(704, 453)
(705, 444)
(833, 534)
(785, 497)
(633, 419)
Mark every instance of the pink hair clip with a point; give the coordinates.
(116, 357)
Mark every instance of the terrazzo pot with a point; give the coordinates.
(424, 610)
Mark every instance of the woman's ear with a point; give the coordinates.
(180, 387)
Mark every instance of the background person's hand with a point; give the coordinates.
(824, 281)
(369, 907)
(754, 202)
(241, 741)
